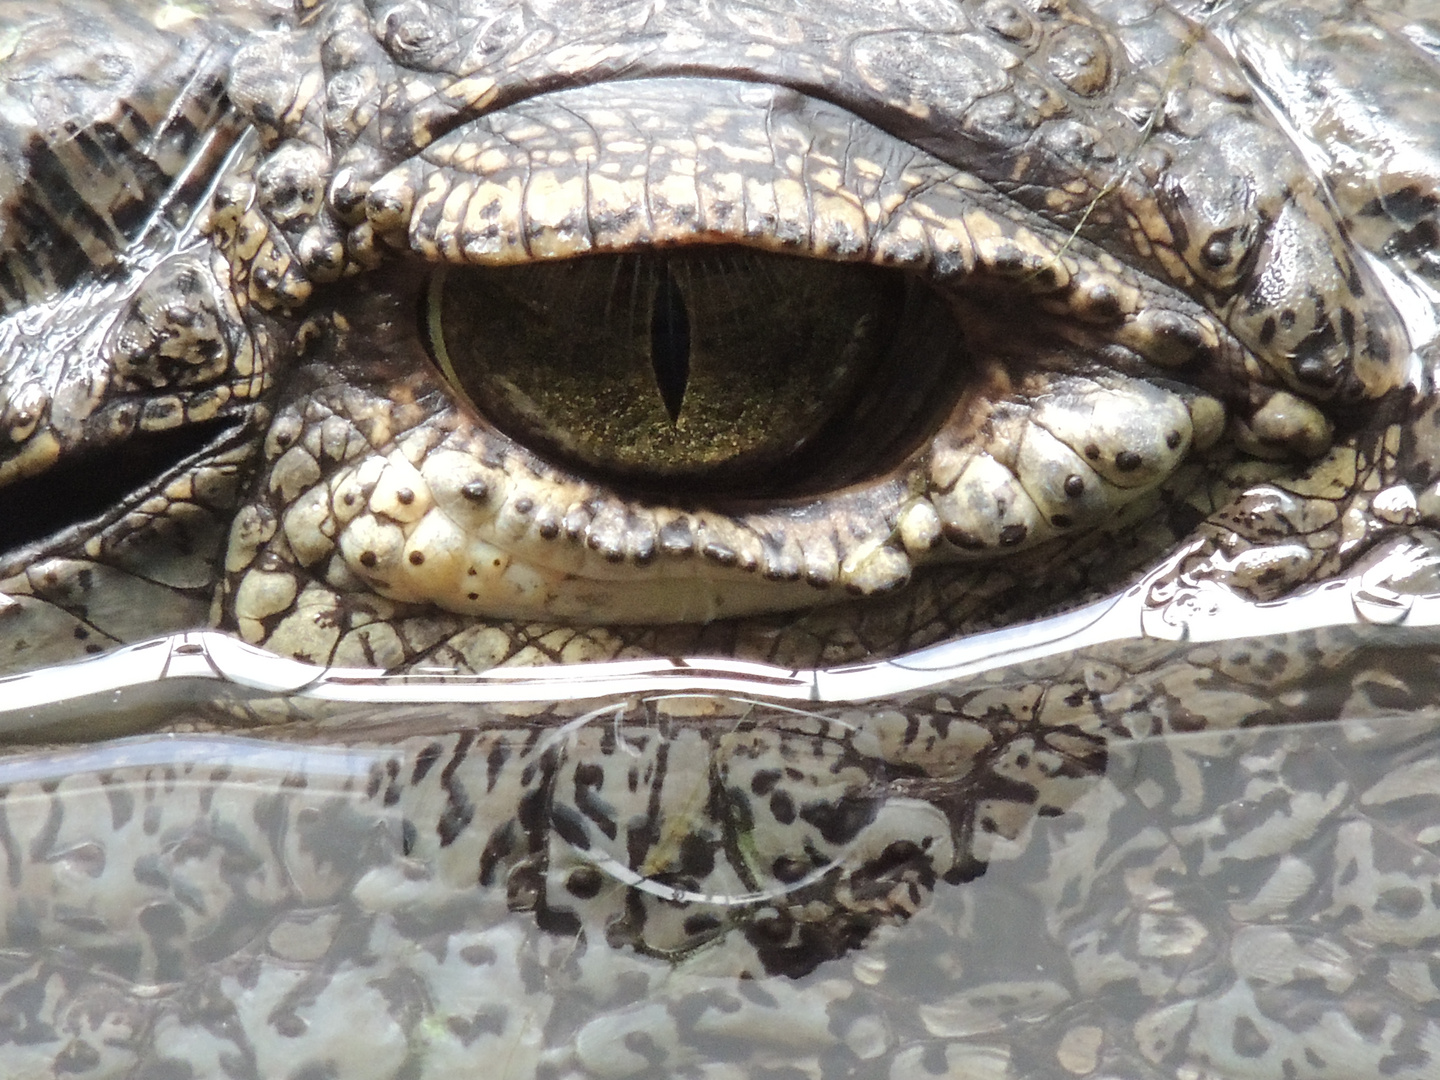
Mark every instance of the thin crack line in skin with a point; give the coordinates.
(1151, 123)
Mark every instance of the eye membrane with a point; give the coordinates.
(712, 369)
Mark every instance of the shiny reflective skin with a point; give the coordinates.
(1132, 260)
(352, 511)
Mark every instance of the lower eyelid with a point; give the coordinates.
(517, 539)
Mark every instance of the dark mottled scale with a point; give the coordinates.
(104, 161)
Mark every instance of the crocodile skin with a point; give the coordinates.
(1189, 255)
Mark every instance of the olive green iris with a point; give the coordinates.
(696, 362)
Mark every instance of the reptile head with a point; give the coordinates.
(456, 333)
(482, 341)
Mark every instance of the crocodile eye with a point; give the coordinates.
(702, 386)
(711, 368)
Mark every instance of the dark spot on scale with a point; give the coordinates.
(695, 925)
(1216, 252)
(934, 1061)
(1008, 258)
(292, 1027)
(425, 760)
(1377, 344)
(472, 596)
(1128, 461)
(416, 558)
(1248, 1041)
(764, 781)
(1172, 439)
(1061, 521)
(1267, 330)
(1407, 206)
(840, 821)
(1315, 370)
(524, 504)
(478, 955)
(1011, 535)
(588, 774)
(406, 496)
(476, 491)
(570, 827)
(1074, 486)
(1102, 303)
(1404, 902)
(782, 807)
(962, 539)
(697, 856)
(560, 923)
(368, 558)
(788, 870)
(583, 883)
(1092, 452)
(642, 1045)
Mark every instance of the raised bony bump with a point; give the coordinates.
(1314, 315)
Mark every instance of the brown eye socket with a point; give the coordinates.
(712, 365)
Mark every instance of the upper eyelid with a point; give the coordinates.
(480, 196)
(1093, 146)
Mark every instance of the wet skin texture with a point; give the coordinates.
(1124, 328)
(1127, 303)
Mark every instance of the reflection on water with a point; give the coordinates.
(716, 888)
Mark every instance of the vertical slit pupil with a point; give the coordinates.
(670, 341)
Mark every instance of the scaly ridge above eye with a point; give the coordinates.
(774, 171)
(1195, 184)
